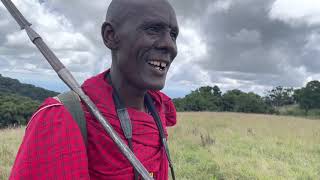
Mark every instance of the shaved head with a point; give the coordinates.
(141, 35)
(120, 10)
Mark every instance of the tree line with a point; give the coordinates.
(18, 101)
(209, 98)
(15, 110)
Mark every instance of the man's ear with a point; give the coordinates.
(109, 36)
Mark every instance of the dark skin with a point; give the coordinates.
(142, 37)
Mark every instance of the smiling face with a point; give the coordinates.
(146, 43)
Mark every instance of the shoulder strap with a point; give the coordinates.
(152, 108)
(127, 127)
(72, 102)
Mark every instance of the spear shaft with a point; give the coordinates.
(70, 81)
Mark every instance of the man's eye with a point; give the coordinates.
(153, 29)
(173, 35)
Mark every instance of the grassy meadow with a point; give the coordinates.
(245, 146)
(209, 146)
(10, 140)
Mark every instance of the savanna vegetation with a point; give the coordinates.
(13, 86)
(280, 100)
(18, 101)
(15, 110)
(219, 145)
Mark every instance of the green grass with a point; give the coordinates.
(208, 146)
(295, 110)
(10, 140)
(245, 146)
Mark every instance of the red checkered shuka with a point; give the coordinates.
(53, 148)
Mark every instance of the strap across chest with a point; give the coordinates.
(127, 126)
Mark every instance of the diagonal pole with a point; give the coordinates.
(70, 81)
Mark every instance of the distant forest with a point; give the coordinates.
(18, 101)
(280, 100)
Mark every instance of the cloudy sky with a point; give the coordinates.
(252, 45)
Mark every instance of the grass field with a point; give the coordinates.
(10, 140)
(208, 146)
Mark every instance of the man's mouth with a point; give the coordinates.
(158, 64)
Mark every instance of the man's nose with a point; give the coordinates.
(167, 44)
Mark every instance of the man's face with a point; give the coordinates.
(147, 45)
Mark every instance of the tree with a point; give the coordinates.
(230, 99)
(202, 99)
(308, 97)
(211, 99)
(280, 96)
(15, 110)
(238, 101)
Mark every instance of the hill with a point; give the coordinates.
(13, 86)
(18, 101)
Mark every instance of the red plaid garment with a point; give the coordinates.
(53, 147)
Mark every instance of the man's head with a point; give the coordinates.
(142, 37)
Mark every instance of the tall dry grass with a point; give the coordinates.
(245, 146)
(10, 140)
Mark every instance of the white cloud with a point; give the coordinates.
(17, 39)
(192, 48)
(296, 12)
(71, 44)
(219, 6)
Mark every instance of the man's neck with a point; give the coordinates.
(129, 95)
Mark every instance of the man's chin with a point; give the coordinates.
(155, 86)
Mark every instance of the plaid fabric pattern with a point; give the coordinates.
(53, 147)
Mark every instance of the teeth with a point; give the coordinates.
(154, 63)
(158, 64)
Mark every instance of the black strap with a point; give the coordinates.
(155, 115)
(124, 118)
(127, 127)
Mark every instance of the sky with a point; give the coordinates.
(251, 45)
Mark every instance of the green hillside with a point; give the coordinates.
(13, 86)
(18, 101)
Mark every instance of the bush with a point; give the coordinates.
(15, 110)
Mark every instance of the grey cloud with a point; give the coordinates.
(74, 37)
(246, 41)
(245, 48)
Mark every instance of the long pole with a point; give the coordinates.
(70, 81)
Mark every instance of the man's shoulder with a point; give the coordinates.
(95, 80)
(161, 97)
(167, 106)
(51, 133)
(96, 86)
(51, 111)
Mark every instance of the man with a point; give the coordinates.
(141, 35)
